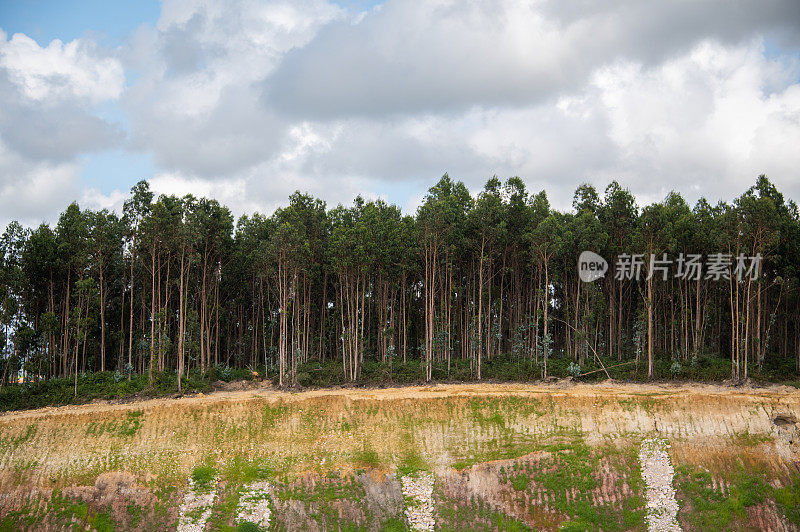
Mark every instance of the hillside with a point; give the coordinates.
(460, 456)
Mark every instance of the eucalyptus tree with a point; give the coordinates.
(687, 277)
(470, 277)
(40, 269)
(617, 214)
(708, 219)
(308, 216)
(72, 233)
(187, 243)
(652, 238)
(253, 240)
(486, 226)
(289, 252)
(380, 228)
(135, 210)
(762, 209)
(348, 260)
(545, 237)
(212, 224)
(444, 208)
(519, 214)
(12, 244)
(106, 234)
(582, 231)
(408, 264)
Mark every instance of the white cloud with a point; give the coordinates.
(715, 117)
(705, 122)
(196, 103)
(92, 198)
(60, 71)
(442, 55)
(34, 192)
(47, 119)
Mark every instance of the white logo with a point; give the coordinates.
(591, 266)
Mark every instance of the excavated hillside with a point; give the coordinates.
(450, 457)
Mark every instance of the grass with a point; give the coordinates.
(411, 463)
(204, 478)
(501, 368)
(128, 426)
(10, 443)
(59, 512)
(520, 482)
(711, 507)
(367, 458)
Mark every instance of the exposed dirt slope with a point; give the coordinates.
(537, 455)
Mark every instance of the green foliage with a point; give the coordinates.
(709, 507)
(411, 463)
(127, 426)
(100, 385)
(204, 477)
(520, 482)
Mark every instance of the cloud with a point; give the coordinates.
(196, 102)
(34, 192)
(704, 122)
(47, 119)
(60, 71)
(446, 55)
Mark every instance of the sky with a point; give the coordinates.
(247, 101)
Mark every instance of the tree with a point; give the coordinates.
(487, 224)
(135, 210)
(545, 239)
(105, 232)
(468, 282)
(443, 210)
(653, 237)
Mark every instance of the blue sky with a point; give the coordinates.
(247, 101)
(45, 20)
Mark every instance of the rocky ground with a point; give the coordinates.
(196, 507)
(418, 495)
(658, 474)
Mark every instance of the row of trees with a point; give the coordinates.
(173, 284)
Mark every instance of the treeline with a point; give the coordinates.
(175, 284)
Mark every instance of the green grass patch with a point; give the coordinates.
(710, 508)
(204, 477)
(520, 482)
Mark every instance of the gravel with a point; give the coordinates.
(196, 507)
(657, 472)
(418, 495)
(254, 504)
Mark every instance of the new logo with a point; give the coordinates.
(591, 266)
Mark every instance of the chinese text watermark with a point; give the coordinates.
(686, 266)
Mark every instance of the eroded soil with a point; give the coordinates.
(503, 456)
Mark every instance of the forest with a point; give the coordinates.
(175, 285)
